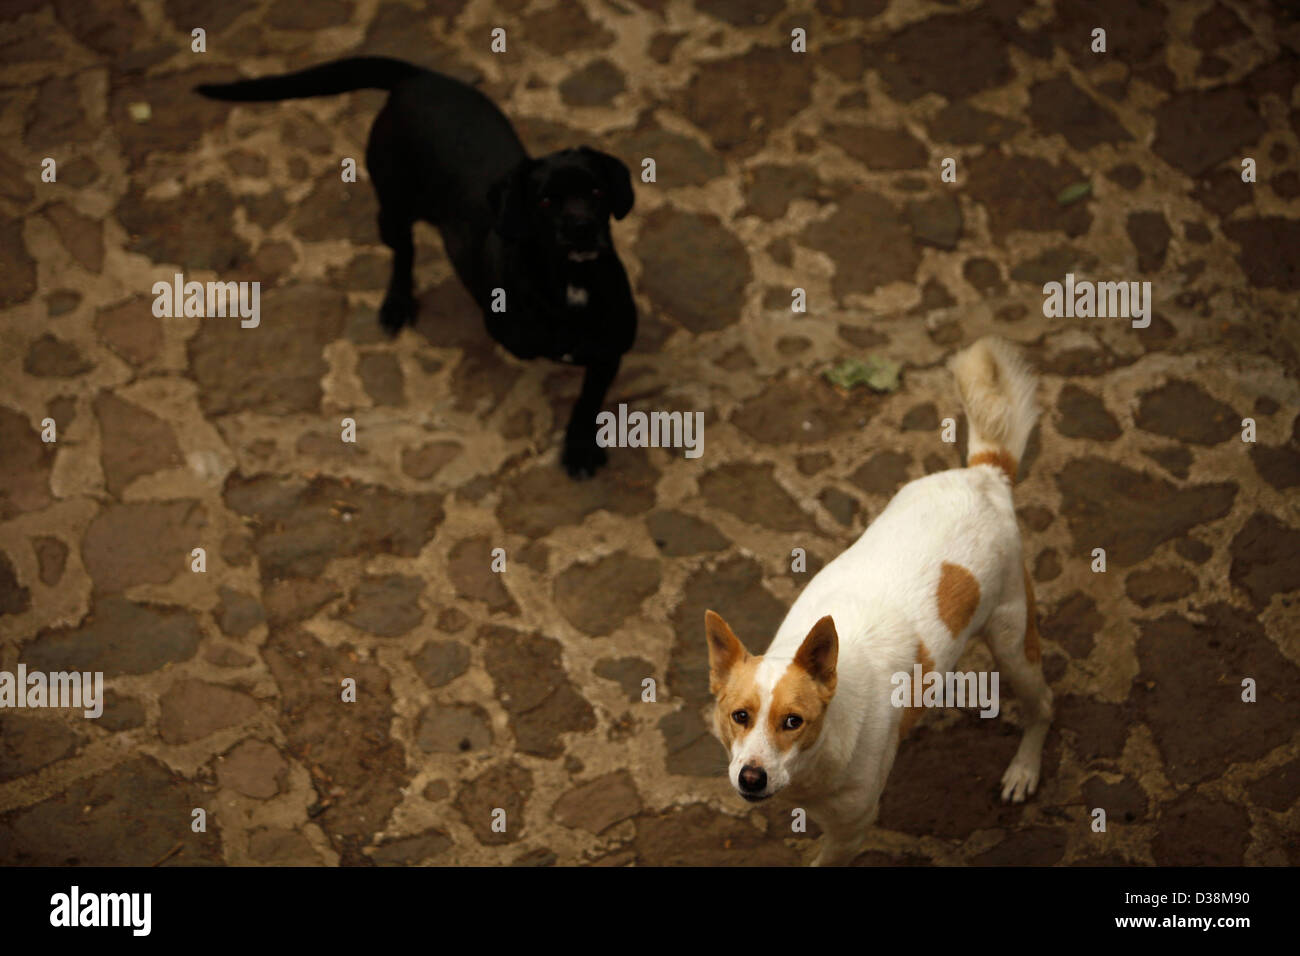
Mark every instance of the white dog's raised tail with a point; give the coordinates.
(998, 390)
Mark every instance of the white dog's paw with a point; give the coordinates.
(1019, 782)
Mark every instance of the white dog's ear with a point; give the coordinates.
(819, 652)
(725, 650)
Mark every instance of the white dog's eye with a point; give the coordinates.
(793, 722)
(740, 716)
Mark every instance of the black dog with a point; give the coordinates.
(528, 237)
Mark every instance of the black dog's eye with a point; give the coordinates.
(793, 722)
(740, 716)
(597, 191)
(544, 202)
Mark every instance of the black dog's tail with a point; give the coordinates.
(354, 73)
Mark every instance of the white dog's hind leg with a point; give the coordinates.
(1012, 634)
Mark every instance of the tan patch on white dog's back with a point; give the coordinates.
(1033, 649)
(912, 714)
(797, 693)
(958, 596)
(741, 693)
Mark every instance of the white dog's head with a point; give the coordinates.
(769, 713)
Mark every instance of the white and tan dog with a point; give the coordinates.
(941, 563)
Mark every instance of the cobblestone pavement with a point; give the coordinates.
(522, 690)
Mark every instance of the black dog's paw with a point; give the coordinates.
(583, 459)
(396, 313)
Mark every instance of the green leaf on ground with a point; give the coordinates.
(877, 373)
(1072, 194)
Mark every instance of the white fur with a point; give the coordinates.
(881, 594)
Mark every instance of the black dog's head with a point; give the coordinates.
(563, 200)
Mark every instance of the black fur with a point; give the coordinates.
(537, 228)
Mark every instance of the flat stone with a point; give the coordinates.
(348, 748)
(1175, 459)
(29, 743)
(1197, 130)
(51, 557)
(155, 227)
(1264, 558)
(453, 728)
(534, 689)
(533, 503)
(18, 278)
(865, 259)
(141, 543)
(81, 235)
(1182, 662)
(629, 672)
(1084, 415)
(878, 147)
(599, 804)
(751, 493)
(275, 368)
(803, 409)
(1184, 411)
(279, 846)
(132, 815)
(386, 605)
(1019, 193)
(841, 507)
(300, 526)
(678, 534)
(118, 637)
(1200, 830)
(884, 473)
(506, 786)
(698, 835)
(441, 662)
(1269, 255)
(965, 125)
(595, 84)
(1130, 513)
(412, 850)
(238, 613)
(470, 567)
(14, 598)
(693, 268)
(1058, 106)
(381, 375)
(48, 357)
(427, 460)
(1074, 623)
(954, 56)
(679, 160)
(738, 101)
(691, 749)
(120, 713)
(936, 222)
(1031, 846)
(1159, 585)
(598, 597)
(134, 442)
(253, 768)
(192, 709)
(1150, 235)
(771, 187)
(131, 330)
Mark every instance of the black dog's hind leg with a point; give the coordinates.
(582, 456)
(398, 309)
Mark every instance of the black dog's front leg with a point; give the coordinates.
(398, 309)
(582, 456)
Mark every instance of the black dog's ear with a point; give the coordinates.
(618, 181)
(507, 198)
